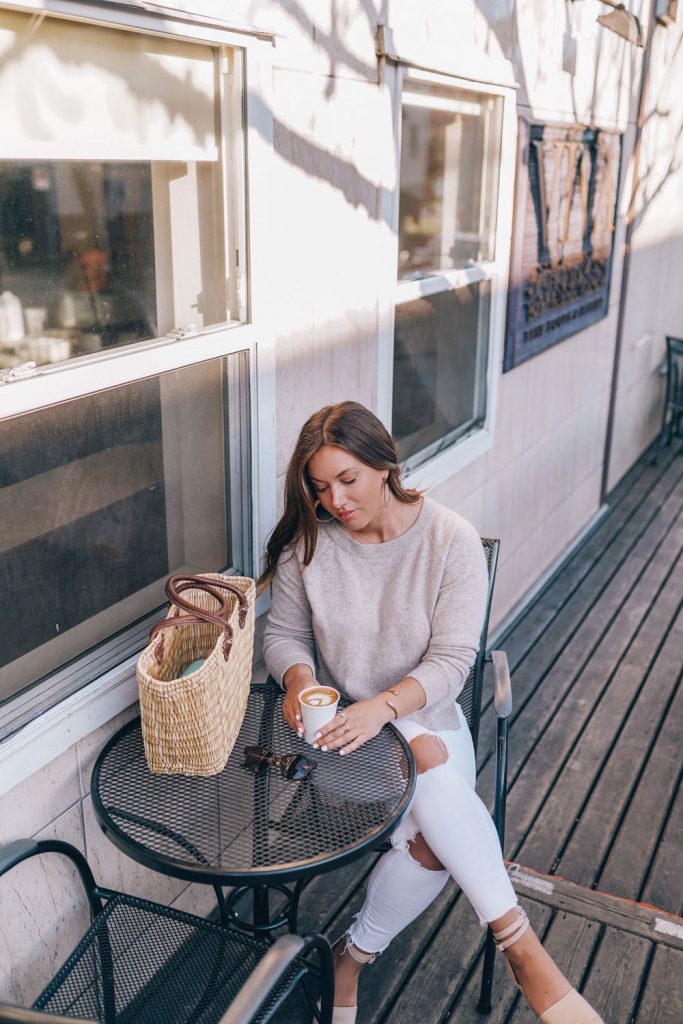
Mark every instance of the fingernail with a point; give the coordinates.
(341, 753)
(317, 735)
(298, 718)
(323, 748)
(315, 746)
(300, 732)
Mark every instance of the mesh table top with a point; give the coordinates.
(237, 827)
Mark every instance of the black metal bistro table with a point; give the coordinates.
(253, 832)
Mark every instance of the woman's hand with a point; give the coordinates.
(354, 725)
(296, 679)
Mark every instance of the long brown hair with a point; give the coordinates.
(347, 425)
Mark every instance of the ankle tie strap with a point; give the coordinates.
(507, 936)
(357, 954)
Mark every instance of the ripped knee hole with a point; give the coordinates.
(429, 752)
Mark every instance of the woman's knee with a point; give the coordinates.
(421, 852)
(429, 752)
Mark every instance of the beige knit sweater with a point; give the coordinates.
(364, 616)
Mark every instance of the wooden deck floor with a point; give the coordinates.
(594, 790)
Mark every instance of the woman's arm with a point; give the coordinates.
(288, 644)
(457, 619)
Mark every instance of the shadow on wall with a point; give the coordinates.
(534, 486)
(360, 191)
(331, 40)
(662, 120)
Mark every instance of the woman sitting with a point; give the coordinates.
(353, 551)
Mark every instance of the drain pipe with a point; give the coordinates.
(626, 266)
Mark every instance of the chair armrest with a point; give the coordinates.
(18, 1015)
(266, 975)
(502, 686)
(13, 853)
(21, 849)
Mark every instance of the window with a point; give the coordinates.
(111, 200)
(121, 236)
(449, 173)
(666, 11)
(82, 253)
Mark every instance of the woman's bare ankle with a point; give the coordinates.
(346, 974)
(539, 977)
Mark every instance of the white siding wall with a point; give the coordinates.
(654, 302)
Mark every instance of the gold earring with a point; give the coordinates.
(321, 513)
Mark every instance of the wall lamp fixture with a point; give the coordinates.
(622, 22)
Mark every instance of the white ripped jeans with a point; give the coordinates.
(457, 828)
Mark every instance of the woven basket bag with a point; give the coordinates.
(190, 723)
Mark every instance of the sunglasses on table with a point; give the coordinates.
(295, 767)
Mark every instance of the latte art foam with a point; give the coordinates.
(319, 698)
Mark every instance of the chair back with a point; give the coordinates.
(674, 373)
(470, 698)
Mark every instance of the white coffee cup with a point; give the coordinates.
(318, 706)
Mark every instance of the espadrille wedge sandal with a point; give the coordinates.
(572, 1008)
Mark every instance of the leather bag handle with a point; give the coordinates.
(189, 620)
(178, 583)
(175, 585)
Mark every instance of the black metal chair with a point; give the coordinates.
(672, 416)
(144, 963)
(470, 701)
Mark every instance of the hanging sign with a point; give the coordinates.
(565, 209)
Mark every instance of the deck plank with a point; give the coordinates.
(636, 840)
(549, 736)
(649, 923)
(590, 771)
(615, 976)
(611, 792)
(662, 1001)
(591, 566)
(663, 884)
(543, 679)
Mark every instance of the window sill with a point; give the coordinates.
(53, 732)
(450, 461)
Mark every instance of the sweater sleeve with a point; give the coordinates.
(288, 637)
(457, 620)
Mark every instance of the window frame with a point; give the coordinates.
(246, 134)
(429, 471)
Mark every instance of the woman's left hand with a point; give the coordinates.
(354, 725)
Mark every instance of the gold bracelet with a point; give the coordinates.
(393, 707)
